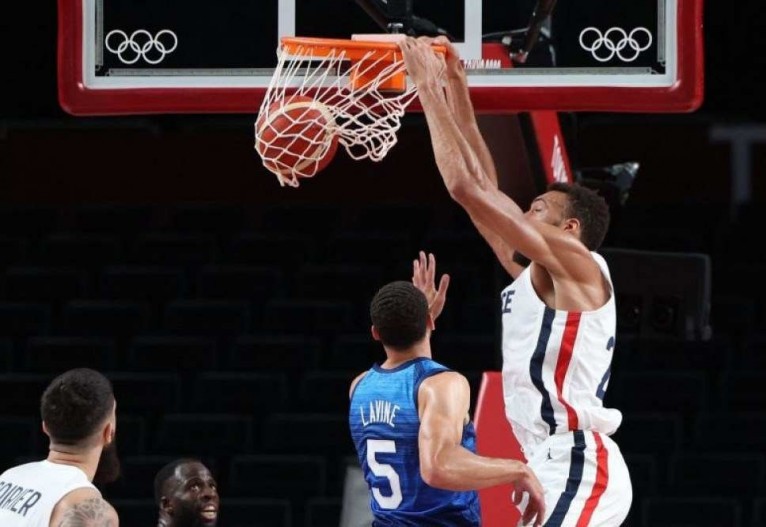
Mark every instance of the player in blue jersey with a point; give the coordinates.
(410, 424)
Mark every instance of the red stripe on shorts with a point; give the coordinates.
(599, 486)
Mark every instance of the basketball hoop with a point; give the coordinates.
(361, 84)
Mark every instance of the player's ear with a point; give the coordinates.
(572, 225)
(430, 324)
(45, 429)
(375, 334)
(107, 434)
(165, 505)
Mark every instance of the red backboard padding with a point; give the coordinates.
(495, 439)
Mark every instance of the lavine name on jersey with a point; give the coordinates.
(379, 412)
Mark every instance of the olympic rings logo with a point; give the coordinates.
(141, 45)
(616, 41)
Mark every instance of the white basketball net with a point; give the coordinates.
(366, 120)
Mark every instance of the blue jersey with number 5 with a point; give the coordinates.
(384, 426)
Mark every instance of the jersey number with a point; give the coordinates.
(381, 470)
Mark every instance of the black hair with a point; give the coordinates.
(399, 311)
(590, 209)
(75, 404)
(166, 473)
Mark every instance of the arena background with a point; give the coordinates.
(231, 313)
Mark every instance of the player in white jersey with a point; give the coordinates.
(558, 315)
(78, 412)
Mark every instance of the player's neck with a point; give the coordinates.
(86, 460)
(397, 358)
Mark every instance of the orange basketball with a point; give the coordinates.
(296, 137)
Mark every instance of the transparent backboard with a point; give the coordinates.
(130, 56)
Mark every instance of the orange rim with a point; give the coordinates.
(354, 49)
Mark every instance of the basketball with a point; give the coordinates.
(296, 137)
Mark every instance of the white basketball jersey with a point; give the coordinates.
(28, 493)
(556, 364)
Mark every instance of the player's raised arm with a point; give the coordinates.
(459, 102)
(470, 185)
(443, 402)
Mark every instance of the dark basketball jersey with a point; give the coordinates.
(384, 426)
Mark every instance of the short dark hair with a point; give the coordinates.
(75, 404)
(399, 311)
(166, 473)
(589, 208)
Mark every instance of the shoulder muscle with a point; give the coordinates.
(84, 508)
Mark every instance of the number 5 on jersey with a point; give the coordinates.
(381, 470)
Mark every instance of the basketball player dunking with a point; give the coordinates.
(558, 315)
(78, 412)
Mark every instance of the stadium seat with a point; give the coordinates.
(730, 431)
(146, 392)
(758, 518)
(715, 474)
(7, 355)
(124, 220)
(263, 249)
(274, 352)
(287, 433)
(203, 434)
(25, 219)
(239, 281)
(465, 352)
(658, 391)
(243, 392)
(289, 477)
(57, 354)
(26, 389)
(325, 390)
(691, 512)
(19, 319)
(104, 317)
(169, 353)
(142, 283)
(131, 435)
(744, 390)
(84, 250)
(316, 316)
(163, 248)
(323, 512)
(355, 352)
(43, 284)
(136, 512)
(207, 317)
(342, 282)
(367, 248)
(649, 433)
(269, 513)
(13, 250)
(206, 217)
(24, 433)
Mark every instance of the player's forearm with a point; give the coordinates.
(459, 100)
(458, 469)
(457, 161)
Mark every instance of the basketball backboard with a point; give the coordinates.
(158, 56)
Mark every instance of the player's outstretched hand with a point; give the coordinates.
(424, 278)
(535, 509)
